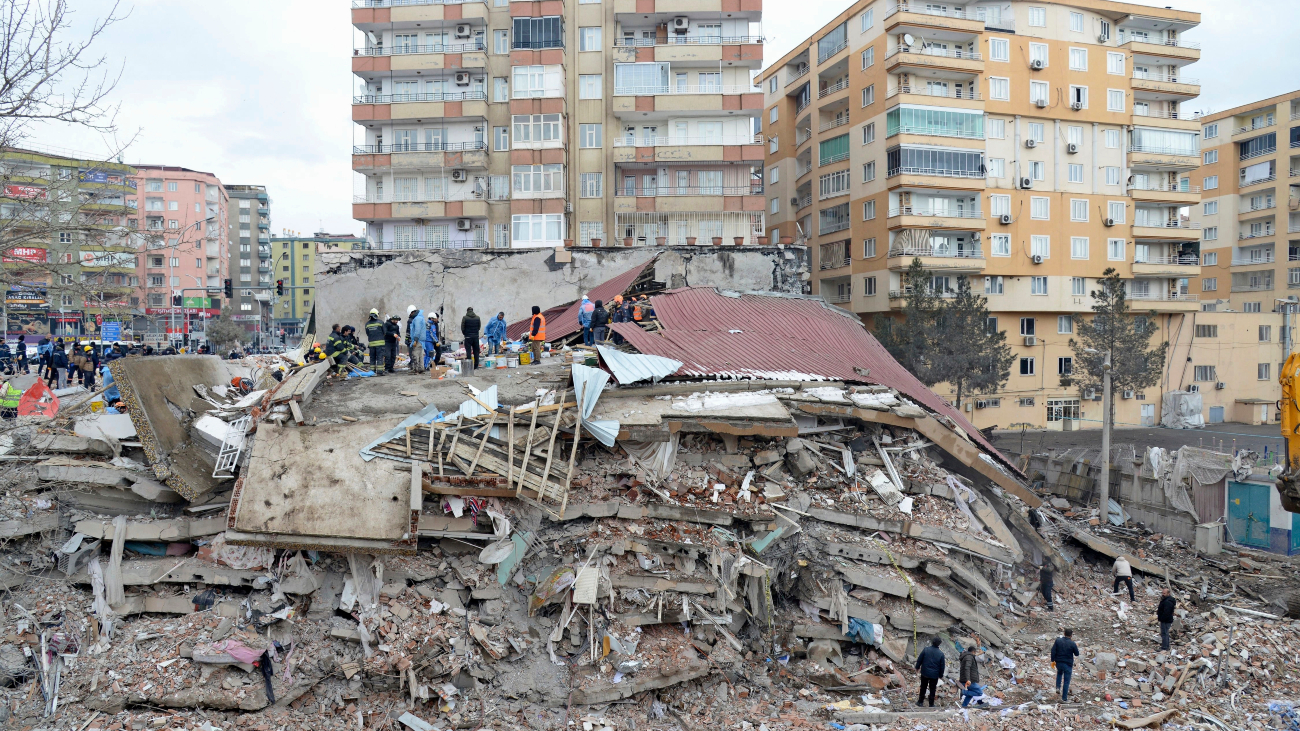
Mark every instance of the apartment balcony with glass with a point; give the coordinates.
(685, 228)
(701, 41)
(1162, 294)
(1253, 281)
(929, 209)
(378, 15)
(1163, 187)
(1164, 149)
(833, 219)
(446, 233)
(1257, 173)
(677, 139)
(954, 251)
(462, 45)
(927, 166)
(1156, 41)
(1250, 124)
(941, 52)
(397, 196)
(1166, 259)
(441, 94)
(687, 89)
(429, 145)
(956, 123)
(1169, 223)
(688, 188)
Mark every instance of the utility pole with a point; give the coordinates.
(1106, 401)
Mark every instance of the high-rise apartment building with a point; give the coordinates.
(533, 123)
(1250, 185)
(1027, 146)
(249, 231)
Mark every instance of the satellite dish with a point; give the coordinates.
(907, 38)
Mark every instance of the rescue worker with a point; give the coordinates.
(1123, 574)
(392, 338)
(9, 397)
(495, 333)
(43, 350)
(20, 353)
(599, 323)
(637, 314)
(375, 341)
(76, 363)
(585, 310)
(470, 327)
(536, 333)
(90, 361)
(58, 368)
(432, 341)
(615, 316)
(415, 325)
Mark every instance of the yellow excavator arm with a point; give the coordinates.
(1288, 483)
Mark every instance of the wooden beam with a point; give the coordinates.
(528, 451)
(487, 430)
(550, 447)
(573, 453)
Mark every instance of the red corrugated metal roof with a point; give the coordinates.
(772, 336)
(566, 321)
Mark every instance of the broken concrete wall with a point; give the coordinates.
(513, 280)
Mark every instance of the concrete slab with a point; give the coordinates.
(97, 426)
(307, 487)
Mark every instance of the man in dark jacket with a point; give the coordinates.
(599, 322)
(969, 680)
(470, 329)
(930, 662)
(1063, 653)
(392, 338)
(375, 341)
(1045, 579)
(1165, 615)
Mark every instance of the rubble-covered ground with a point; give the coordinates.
(780, 569)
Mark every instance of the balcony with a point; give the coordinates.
(710, 148)
(925, 15)
(909, 94)
(1243, 183)
(410, 49)
(679, 89)
(929, 59)
(668, 191)
(1250, 210)
(1166, 119)
(1166, 301)
(1177, 49)
(925, 177)
(1183, 193)
(1257, 153)
(628, 100)
(1185, 265)
(833, 123)
(420, 156)
(445, 96)
(798, 74)
(1164, 157)
(840, 85)
(824, 56)
(465, 203)
(1166, 84)
(1249, 128)
(1262, 233)
(946, 257)
(400, 3)
(912, 217)
(1168, 230)
(1260, 256)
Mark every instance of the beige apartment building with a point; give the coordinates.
(541, 123)
(1028, 146)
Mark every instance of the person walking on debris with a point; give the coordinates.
(1045, 580)
(496, 334)
(375, 341)
(90, 363)
(1124, 573)
(20, 355)
(43, 350)
(969, 678)
(585, 310)
(931, 663)
(599, 323)
(58, 370)
(615, 316)
(1165, 616)
(1063, 653)
(432, 343)
(536, 333)
(415, 325)
(471, 327)
(392, 338)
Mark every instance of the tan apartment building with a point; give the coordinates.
(1027, 146)
(537, 123)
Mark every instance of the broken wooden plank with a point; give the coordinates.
(487, 431)
(296, 411)
(528, 451)
(550, 448)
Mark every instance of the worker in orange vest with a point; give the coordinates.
(536, 333)
(636, 309)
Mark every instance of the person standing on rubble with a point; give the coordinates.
(20, 354)
(931, 664)
(432, 342)
(495, 333)
(392, 339)
(1045, 579)
(585, 310)
(616, 316)
(415, 324)
(599, 323)
(1124, 573)
(375, 341)
(969, 678)
(1063, 653)
(470, 329)
(43, 350)
(58, 370)
(536, 333)
(1165, 616)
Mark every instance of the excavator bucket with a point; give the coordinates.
(1288, 483)
(1288, 489)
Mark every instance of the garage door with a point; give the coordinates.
(1248, 513)
(1216, 414)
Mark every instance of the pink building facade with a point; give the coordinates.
(183, 214)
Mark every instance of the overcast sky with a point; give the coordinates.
(259, 92)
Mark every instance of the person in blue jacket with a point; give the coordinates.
(432, 341)
(415, 327)
(496, 334)
(585, 310)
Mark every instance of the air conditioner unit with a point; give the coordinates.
(462, 78)
(681, 24)
(981, 404)
(1128, 394)
(1037, 258)
(1072, 148)
(1194, 388)
(1109, 222)
(969, 406)
(1031, 341)
(463, 224)
(1036, 65)
(462, 30)
(1040, 103)
(1031, 143)
(1005, 219)
(1089, 393)
(1220, 386)
(1076, 106)
(794, 200)
(1102, 38)
(1026, 183)
(458, 176)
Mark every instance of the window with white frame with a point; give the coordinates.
(538, 179)
(1038, 285)
(1038, 17)
(1112, 175)
(772, 145)
(536, 81)
(1210, 208)
(1028, 326)
(1079, 96)
(591, 185)
(1210, 233)
(993, 285)
(868, 133)
(1114, 63)
(999, 49)
(1074, 135)
(867, 19)
(1040, 245)
(868, 210)
(590, 86)
(771, 84)
(1065, 363)
(999, 205)
(1036, 131)
(500, 89)
(869, 286)
(1115, 211)
(1000, 245)
(869, 248)
(1114, 100)
(1210, 156)
(995, 129)
(501, 42)
(1211, 182)
(1112, 139)
(869, 95)
(775, 206)
(869, 57)
(1075, 172)
(500, 139)
(589, 38)
(999, 88)
(1078, 209)
(1078, 247)
(1078, 285)
(1026, 366)
(1038, 91)
(1204, 373)
(535, 128)
(1037, 170)
(1064, 324)
(1210, 258)
(1210, 284)
(772, 115)
(997, 167)
(587, 230)
(774, 175)
(1078, 59)
(537, 229)
(589, 135)
(1262, 371)
(868, 172)
(1115, 249)
(1210, 132)
(1038, 53)
(1076, 22)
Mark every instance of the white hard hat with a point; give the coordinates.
(410, 309)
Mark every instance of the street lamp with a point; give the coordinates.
(1105, 435)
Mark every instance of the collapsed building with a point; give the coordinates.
(748, 515)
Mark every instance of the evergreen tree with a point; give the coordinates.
(224, 332)
(965, 352)
(911, 339)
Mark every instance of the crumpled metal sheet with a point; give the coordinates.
(634, 367)
(589, 383)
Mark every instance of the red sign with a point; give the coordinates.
(24, 253)
(24, 191)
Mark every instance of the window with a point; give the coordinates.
(1000, 245)
(1262, 370)
(995, 129)
(1076, 22)
(501, 42)
(153, 186)
(1038, 285)
(1026, 366)
(1038, 17)
(1211, 233)
(1250, 307)
(1265, 333)
(771, 84)
(1079, 95)
(535, 81)
(544, 32)
(867, 18)
(1112, 139)
(999, 88)
(1000, 205)
(589, 136)
(173, 205)
(993, 285)
(538, 178)
(1210, 156)
(869, 95)
(1207, 331)
(1036, 131)
(775, 206)
(869, 57)
(1025, 401)
(1074, 135)
(868, 133)
(997, 167)
(1038, 91)
(1211, 131)
(869, 248)
(1210, 208)
(1039, 208)
(1065, 365)
(869, 286)
(1210, 284)
(833, 184)
(1078, 59)
(991, 325)
(1040, 246)
(868, 172)
(1078, 247)
(1112, 175)
(1076, 175)
(1036, 170)
(772, 115)
(1210, 258)
(772, 145)
(1204, 373)
(999, 49)
(1115, 249)
(868, 210)
(1077, 286)
(1114, 100)
(542, 128)
(538, 229)
(173, 223)
(172, 187)
(1115, 211)
(591, 185)
(1115, 63)
(589, 38)
(500, 89)
(500, 138)
(1078, 209)
(589, 86)
(1211, 182)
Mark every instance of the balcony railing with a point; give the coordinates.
(832, 159)
(791, 78)
(1167, 78)
(1258, 153)
(941, 11)
(687, 40)
(1174, 43)
(660, 89)
(444, 96)
(1168, 224)
(802, 105)
(838, 297)
(1251, 128)
(802, 169)
(898, 294)
(660, 191)
(1183, 260)
(831, 225)
(1263, 233)
(1261, 258)
(1165, 113)
(634, 141)
(939, 172)
(539, 45)
(1182, 187)
(1293, 228)
(835, 263)
(823, 55)
(418, 147)
(372, 198)
(939, 91)
(465, 47)
(1166, 296)
(481, 243)
(930, 213)
(1257, 181)
(804, 202)
(400, 3)
(833, 123)
(1263, 287)
(936, 131)
(834, 193)
(1268, 206)
(1158, 150)
(942, 252)
(933, 51)
(840, 85)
